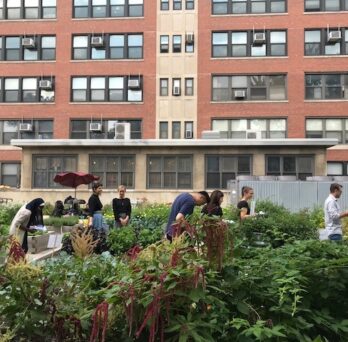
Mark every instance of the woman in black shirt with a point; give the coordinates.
(122, 208)
(213, 208)
(95, 207)
(243, 204)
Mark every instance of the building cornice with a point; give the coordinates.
(173, 142)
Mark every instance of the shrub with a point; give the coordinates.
(61, 221)
(120, 240)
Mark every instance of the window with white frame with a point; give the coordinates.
(328, 128)
(107, 89)
(220, 7)
(249, 43)
(326, 86)
(333, 41)
(273, 128)
(107, 8)
(28, 9)
(337, 168)
(10, 174)
(248, 87)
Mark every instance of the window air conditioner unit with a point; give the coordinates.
(45, 84)
(97, 41)
(251, 134)
(176, 91)
(334, 36)
(28, 43)
(122, 131)
(239, 94)
(259, 38)
(25, 127)
(190, 37)
(95, 127)
(134, 83)
(188, 135)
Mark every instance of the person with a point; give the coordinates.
(243, 204)
(25, 220)
(213, 208)
(58, 210)
(183, 206)
(95, 207)
(333, 213)
(122, 208)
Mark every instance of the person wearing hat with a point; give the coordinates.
(27, 217)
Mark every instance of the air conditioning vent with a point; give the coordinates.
(122, 131)
(25, 127)
(134, 83)
(188, 134)
(334, 36)
(239, 94)
(190, 37)
(97, 41)
(251, 134)
(28, 43)
(95, 127)
(259, 38)
(45, 84)
(176, 91)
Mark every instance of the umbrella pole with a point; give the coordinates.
(75, 192)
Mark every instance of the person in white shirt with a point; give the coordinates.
(333, 213)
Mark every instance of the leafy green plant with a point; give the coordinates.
(121, 240)
(61, 221)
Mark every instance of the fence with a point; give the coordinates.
(292, 194)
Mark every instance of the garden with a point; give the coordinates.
(267, 279)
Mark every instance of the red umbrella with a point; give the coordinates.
(74, 179)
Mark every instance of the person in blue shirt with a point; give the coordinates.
(183, 206)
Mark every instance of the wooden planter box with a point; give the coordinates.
(62, 229)
(38, 243)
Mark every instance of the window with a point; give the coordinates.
(164, 44)
(80, 129)
(46, 167)
(189, 86)
(325, 5)
(290, 165)
(176, 130)
(27, 89)
(176, 87)
(27, 9)
(164, 5)
(163, 130)
(337, 168)
(108, 8)
(249, 43)
(189, 4)
(188, 130)
(328, 128)
(220, 7)
(326, 42)
(10, 174)
(237, 128)
(28, 48)
(249, 87)
(177, 5)
(107, 89)
(176, 43)
(108, 46)
(326, 86)
(169, 172)
(220, 169)
(113, 170)
(164, 87)
(189, 42)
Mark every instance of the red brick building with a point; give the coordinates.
(172, 69)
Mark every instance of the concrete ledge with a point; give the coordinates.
(48, 253)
